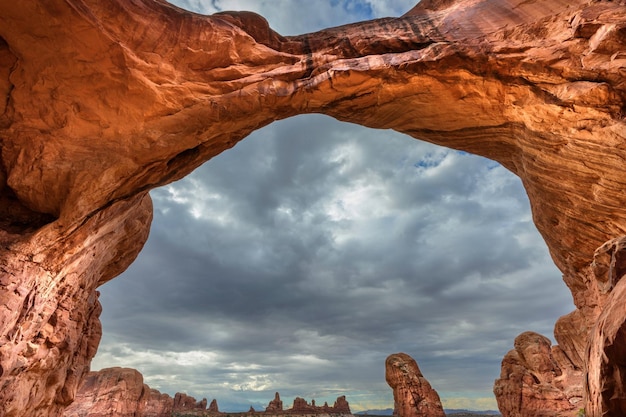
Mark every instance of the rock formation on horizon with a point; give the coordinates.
(301, 406)
(340, 406)
(118, 392)
(213, 408)
(103, 100)
(121, 392)
(184, 402)
(412, 394)
(275, 405)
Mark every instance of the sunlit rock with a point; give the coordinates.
(412, 393)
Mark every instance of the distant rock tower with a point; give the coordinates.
(342, 406)
(213, 407)
(276, 404)
(300, 405)
(413, 396)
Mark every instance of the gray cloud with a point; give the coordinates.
(300, 259)
(297, 261)
(294, 17)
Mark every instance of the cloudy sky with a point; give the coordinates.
(300, 259)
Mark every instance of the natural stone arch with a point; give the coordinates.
(155, 91)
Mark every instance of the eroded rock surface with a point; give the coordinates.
(412, 394)
(118, 392)
(121, 392)
(104, 100)
(538, 379)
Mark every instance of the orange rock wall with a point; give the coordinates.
(108, 99)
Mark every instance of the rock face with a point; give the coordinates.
(115, 98)
(412, 394)
(153, 404)
(120, 392)
(538, 379)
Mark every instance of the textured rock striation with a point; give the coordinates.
(412, 394)
(104, 100)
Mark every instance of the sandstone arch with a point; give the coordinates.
(154, 91)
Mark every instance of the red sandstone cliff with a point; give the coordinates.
(120, 392)
(116, 97)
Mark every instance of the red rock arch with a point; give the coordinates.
(105, 100)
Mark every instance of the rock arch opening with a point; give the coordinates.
(314, 243)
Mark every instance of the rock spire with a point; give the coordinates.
(412, 394)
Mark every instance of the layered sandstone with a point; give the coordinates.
(104, 100)
(412, 394)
